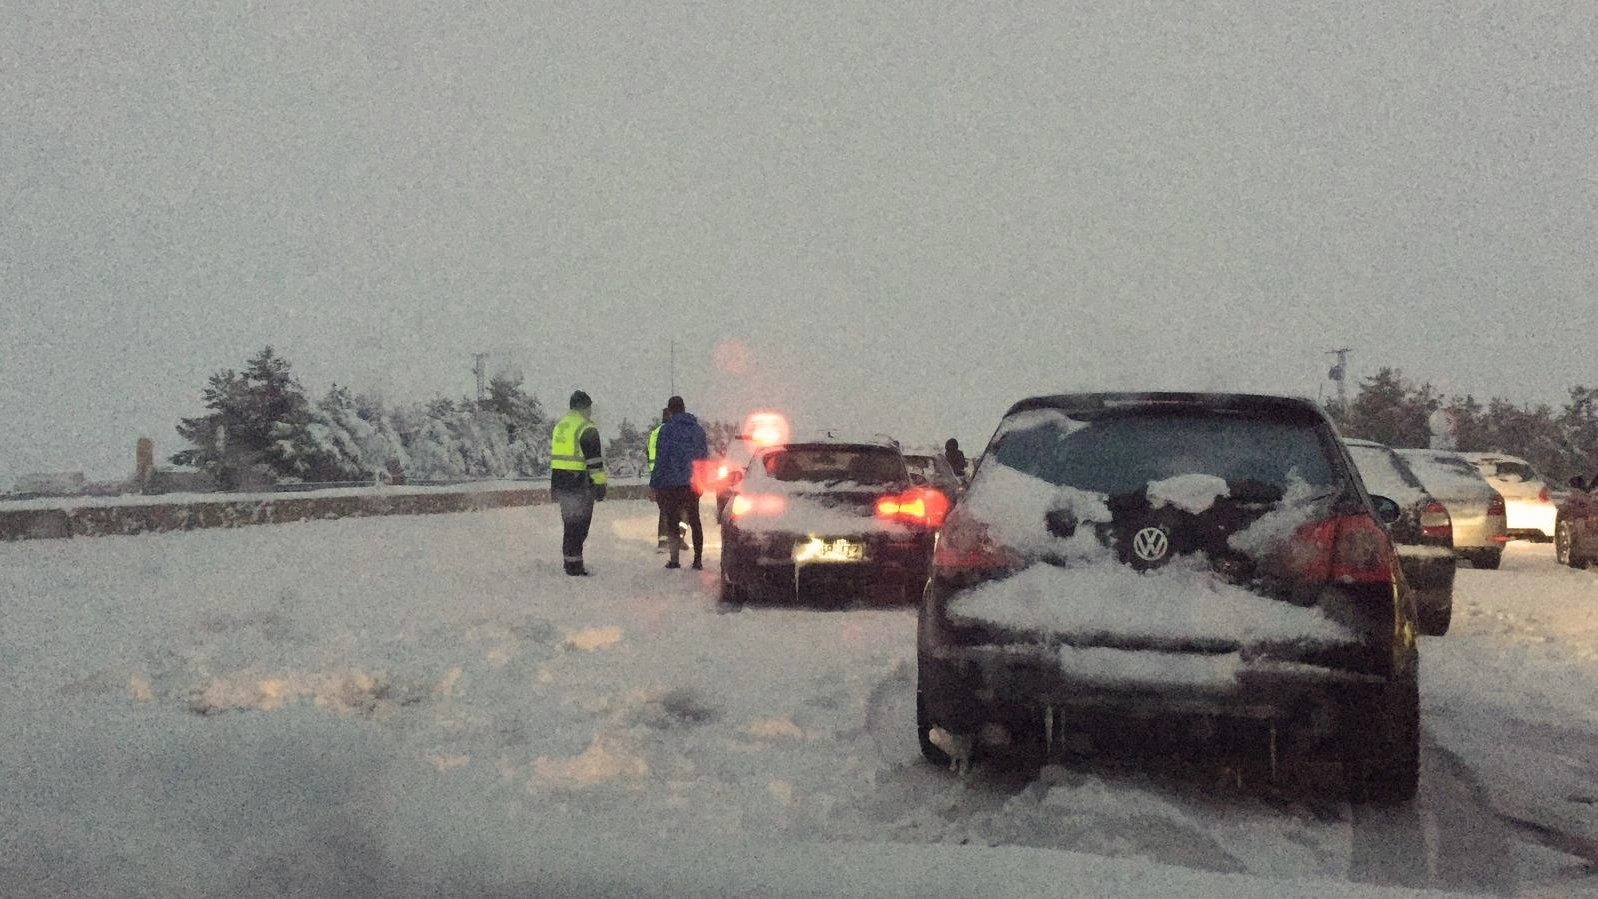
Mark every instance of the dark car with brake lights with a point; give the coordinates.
(827, 518)
(1129, 571)
(1423, 533)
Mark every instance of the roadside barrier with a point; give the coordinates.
(111, 518)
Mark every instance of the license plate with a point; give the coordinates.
(821, 549)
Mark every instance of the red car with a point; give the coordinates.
(1576, 524)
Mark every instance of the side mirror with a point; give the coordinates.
(1387, 511)
(1578, 482)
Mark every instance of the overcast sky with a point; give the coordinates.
(899, 216)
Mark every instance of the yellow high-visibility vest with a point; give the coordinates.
(565, 451)
(654, 434)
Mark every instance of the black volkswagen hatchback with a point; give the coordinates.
(1124, 568)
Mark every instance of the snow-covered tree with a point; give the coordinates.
(257, 419)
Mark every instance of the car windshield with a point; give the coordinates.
(864, 465)
(1121, 453)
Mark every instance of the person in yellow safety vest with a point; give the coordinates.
(576, 478)
(663, 541)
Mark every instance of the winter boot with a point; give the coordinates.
(576, 569)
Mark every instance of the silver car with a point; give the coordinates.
(1477, 510)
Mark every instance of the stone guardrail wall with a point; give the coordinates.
(156, 518)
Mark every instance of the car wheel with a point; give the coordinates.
(1383, 767)
(1489, 559)
(1563, 550)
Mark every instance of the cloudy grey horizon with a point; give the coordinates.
(895, 216)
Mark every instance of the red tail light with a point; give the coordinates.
(1542, 495)
(1349, 550)
(1435, 521)
(747, 504)
(1495, 506)
(964, 545)
(918, 506)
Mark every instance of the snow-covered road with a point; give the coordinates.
(405, 706)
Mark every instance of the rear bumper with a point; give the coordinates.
(964, 688)
(1430, 573)
(763, 565)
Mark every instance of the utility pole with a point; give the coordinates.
(674, 368)
(1339, 373)
(477, 369)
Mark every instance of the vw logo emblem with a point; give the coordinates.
(1150, 544)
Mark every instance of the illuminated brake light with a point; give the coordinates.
(746, 504)
(1435, 521)
(1349, 550)
(918, 506)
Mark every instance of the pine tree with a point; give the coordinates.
(257, 424)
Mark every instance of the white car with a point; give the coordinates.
(1530, 512)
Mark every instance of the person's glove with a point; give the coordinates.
(599, 493)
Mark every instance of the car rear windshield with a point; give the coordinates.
(1383, 472)
(1513, 471)
(1122, 451)
(866, 465)
(1445, 474)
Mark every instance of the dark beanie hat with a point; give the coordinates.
(580, 400)
(675, 405)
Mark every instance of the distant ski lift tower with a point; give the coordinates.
(1339, 373)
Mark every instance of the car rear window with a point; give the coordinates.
(832, 465)
(1513, 471)
(1384, 473)
(1122, 451)
(1445, 474)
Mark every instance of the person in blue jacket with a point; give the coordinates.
(680, 444)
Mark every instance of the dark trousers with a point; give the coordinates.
(576, 514)
(682, 504)
(660, 528)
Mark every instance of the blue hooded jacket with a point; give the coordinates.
(681, 442)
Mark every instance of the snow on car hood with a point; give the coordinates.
(1184, 600)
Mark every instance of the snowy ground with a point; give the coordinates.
(421, 706)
